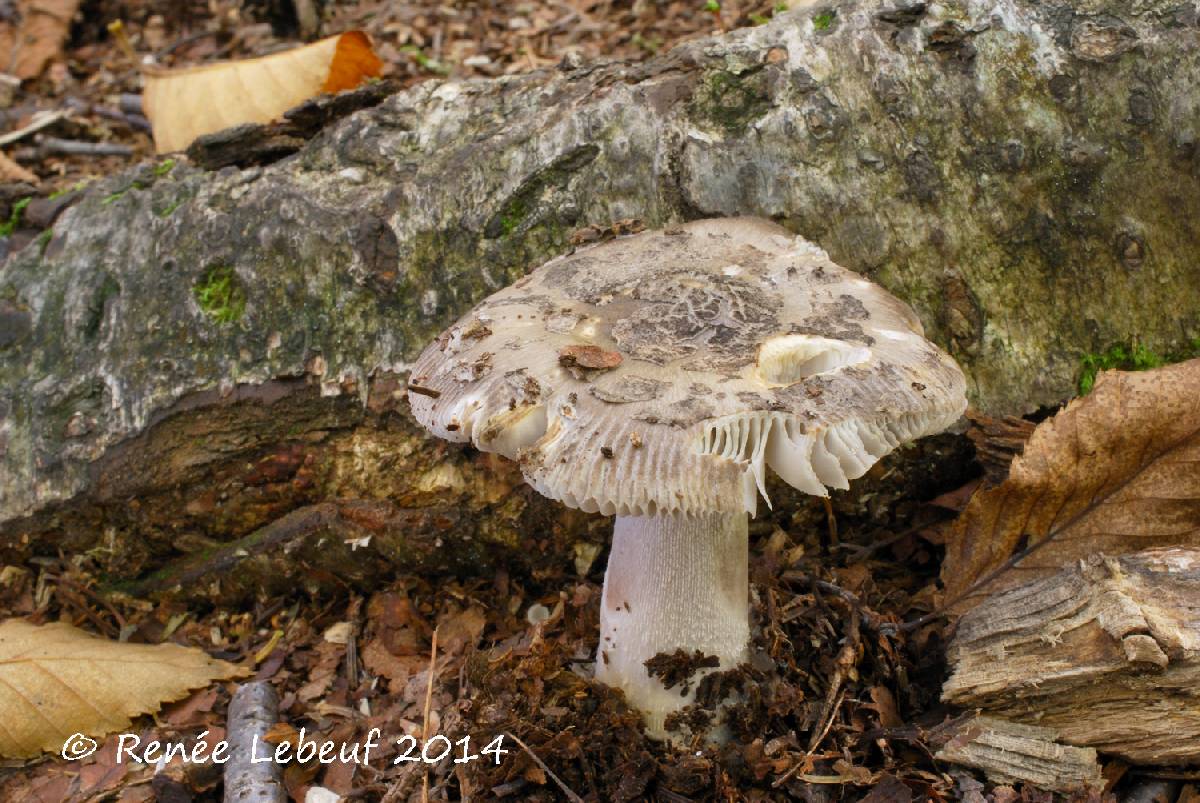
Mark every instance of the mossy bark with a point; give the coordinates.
(1024, 173)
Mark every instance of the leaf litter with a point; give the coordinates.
(345, 664)
(839, 702)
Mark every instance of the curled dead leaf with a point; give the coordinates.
(37, 38)
(11, 171)
(57, 680)
(185, 104)
(1116, 471)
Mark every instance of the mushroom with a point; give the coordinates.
(655, 377)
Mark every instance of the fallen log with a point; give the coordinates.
(190, 355)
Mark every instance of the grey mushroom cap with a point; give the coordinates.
(662, 372)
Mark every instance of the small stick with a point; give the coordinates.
(428, 705)
(130, 103)
(43, 119)
(802, 763)
(846, 659)
(252, 711)
(92, 595)
(135, 120)
(75, 147)
(571, 796)
(831, 522)
(132, 120)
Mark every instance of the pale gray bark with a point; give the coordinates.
(253, 710)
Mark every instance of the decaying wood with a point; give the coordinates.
(997, 441)
(1008, 752)
(252, 711)
(1023, 173)
(1106, 653)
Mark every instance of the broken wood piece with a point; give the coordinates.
(1008, 752)
(1106, 653)
(252, 711)
(997, 441)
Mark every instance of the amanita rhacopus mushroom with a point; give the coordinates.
(655, 377)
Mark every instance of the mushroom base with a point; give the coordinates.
(673, 582)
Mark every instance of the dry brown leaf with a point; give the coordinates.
(11, 171)
(57, 680)
(462, 629)
(1116, 471)
(884, 703)
(185, 104)
(44, 25)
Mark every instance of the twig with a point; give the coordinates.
(131, 119)
(43, 119)
(870, 618)
(831, 522)
(806, 761)
(99, 600)
(187, 40)
(75, 147)
(130, 104)
(860, 552)
(70, 594)
(252, 711)
(846, 659)
(428, 705)
(566, 790)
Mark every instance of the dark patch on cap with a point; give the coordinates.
(721, 316)
(630, 388)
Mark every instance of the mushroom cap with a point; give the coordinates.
(660, 372)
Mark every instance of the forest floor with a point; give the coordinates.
(94, 78)
(839, 703)
(841, 699)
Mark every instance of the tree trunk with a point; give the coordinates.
(1106, 654)
(191, 355)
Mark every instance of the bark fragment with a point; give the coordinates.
(1106, 654)
(1008, 752)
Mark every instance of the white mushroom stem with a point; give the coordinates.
(673, 581)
